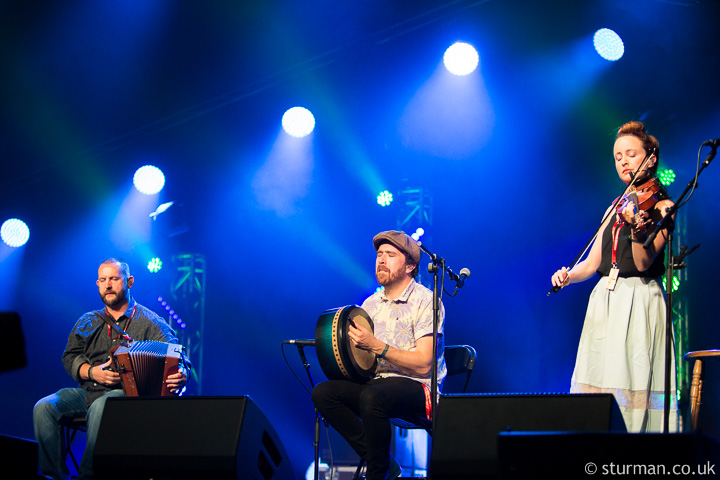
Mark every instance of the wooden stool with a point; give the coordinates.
(697, 381)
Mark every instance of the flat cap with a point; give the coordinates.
(400, 240)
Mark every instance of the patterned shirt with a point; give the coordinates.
(401, 322)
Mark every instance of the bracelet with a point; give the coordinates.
(90, 375)
(642, 237)
(382, 355)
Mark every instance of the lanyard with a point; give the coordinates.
(114, 326)
(616, 237)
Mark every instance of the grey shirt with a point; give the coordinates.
(91, 340)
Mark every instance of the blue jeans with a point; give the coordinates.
(49, 434)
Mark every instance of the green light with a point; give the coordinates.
(675, 283)
(666, 176)
(155, 265)
(384, 198)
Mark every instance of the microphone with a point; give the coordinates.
(459, 279)
(711, 143)
(464, 275)
(302, 342)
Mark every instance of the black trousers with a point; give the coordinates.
(361, 413)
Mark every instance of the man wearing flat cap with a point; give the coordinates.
(402, 315)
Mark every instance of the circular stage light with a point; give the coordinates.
(149, 180)
(666, 176)
(384, 198)
(298, 122)
(155, 265)
(14, 232)
(461, 59)
(608, 44)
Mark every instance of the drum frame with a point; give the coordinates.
(333, 345)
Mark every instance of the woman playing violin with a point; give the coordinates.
(622, 345)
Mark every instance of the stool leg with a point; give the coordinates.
(359, 468)
(70, 434)
(696, 394)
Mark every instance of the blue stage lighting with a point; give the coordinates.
(171, 313)
(461, 59)
(298, 122)
(14, 232)
(149, 180)
(608, 44)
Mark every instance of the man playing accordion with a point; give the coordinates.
(87, 359)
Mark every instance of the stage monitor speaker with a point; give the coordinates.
(13, 355)
(188, 437)
(19, 457)
(465, 438)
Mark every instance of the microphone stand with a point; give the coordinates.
(436, 267)
(316, 443)
(667, 223)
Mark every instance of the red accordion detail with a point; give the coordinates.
(144, 367)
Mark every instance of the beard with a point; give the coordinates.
(386, 277)
(118, 299)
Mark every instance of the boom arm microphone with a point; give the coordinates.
(711, 143)
(303, 342)
(459, 279)
(464, 275)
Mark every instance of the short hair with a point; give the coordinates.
(410, 261)
(637, 129)
(123, 267)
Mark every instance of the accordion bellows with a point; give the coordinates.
(144, 367)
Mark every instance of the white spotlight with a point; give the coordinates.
(608, 44)
(298, 122)
(149, 180)
(461, 59)
(15, 233)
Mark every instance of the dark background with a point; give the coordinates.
(520, 170)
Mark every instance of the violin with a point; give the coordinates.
(643, 197)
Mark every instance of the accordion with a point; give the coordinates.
(144, 366)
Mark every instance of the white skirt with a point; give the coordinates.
(622, 351)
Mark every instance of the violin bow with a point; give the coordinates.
(634, 176)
